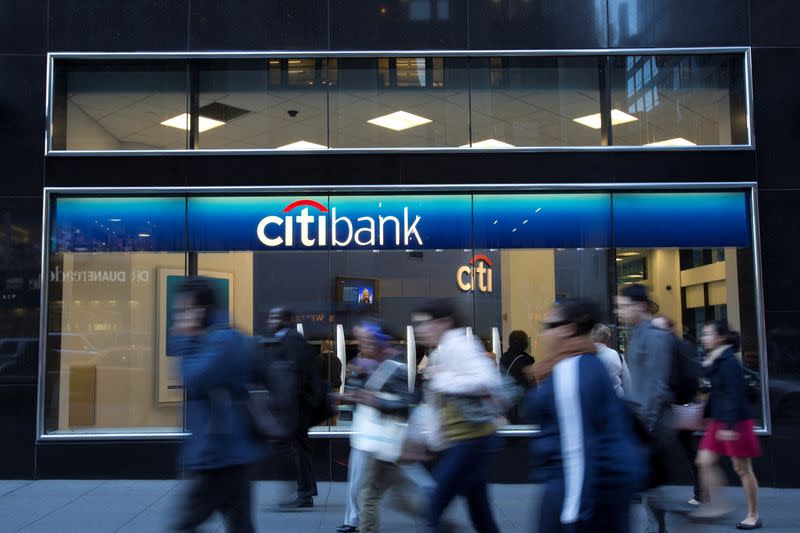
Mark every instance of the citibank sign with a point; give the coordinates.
(312, 223)
(477, 274)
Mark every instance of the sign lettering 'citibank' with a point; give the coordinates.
(313, 228)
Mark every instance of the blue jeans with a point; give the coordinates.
(463, 469)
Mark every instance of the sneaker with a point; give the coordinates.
(694, 501)
(298, 502)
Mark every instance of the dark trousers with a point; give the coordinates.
(226, 490)
(609, 514)
(686, 438)
(300, 447)
(463, 469)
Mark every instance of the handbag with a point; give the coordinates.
(689, 417)
(380, 436)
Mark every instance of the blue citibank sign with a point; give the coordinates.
(401, 222)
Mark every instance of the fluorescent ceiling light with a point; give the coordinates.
(399, 121)
(489, 143)
(617, 117)
(677, 141)
(144, 235)
(182, 123)
(627, 254)
(302, 145)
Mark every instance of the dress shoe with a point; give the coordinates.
(298, 502)
(344, 528)
(742, 525)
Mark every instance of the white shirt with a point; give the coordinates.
(459, 366)
(616, 367)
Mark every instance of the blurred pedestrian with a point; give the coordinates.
(217, 362)
(513, 364)
(384, 400)
(649, 355)
(460, 387)
(730, 430)
(615, 364)
(685, 436)
(287, 344)
(586, 455)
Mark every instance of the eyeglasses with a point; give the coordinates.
(553, 325)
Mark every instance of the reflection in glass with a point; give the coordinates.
(399, 102)
(679, 100)
(120, 106)
(533, 101)
(275, 103)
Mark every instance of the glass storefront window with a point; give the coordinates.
(371, 102)
(534, 101)
(399, 102)
(120, 106)
(264, 103)
(678, 100)
(107, 369)
(333, 259)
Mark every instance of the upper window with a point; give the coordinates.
(375, 102)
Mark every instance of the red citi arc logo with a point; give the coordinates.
(274, 231)
(479, 266)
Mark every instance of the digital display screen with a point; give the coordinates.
(356, 292)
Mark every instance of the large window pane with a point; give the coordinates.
(678, 100)
(534, 101)
(120, 106)
(399, 102)
(108, 302)
(264, 103)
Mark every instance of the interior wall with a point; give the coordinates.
(664, 269)
(240, 265)
(529, 290)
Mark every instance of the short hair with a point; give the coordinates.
(518, 340)
(636, 293)
(326, 346)
(202, 294)
(601, 333)
(441, 308)
(376, 329)
(285, 314)
(582, 312)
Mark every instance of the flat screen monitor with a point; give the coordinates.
(357, 293)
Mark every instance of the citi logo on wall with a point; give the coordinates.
(479, 267)
(311, 228)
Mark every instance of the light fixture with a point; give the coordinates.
(619, 259)
(302, 145)
(488, 143)
(677, 141)
(525, 221)
(635, 276)
(627, 254)
(144, 235)
(115, 220)
(594, 122)
(182, 123)
(399, 121)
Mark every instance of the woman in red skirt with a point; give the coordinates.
(730, 429)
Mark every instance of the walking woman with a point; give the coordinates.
(586, 455)
(461, 377)
(730, 430)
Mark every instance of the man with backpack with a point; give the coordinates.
(651, 361)
(290, 358)
(217, 361)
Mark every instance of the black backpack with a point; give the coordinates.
(684, 379)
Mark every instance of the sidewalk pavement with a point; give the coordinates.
(144, 506)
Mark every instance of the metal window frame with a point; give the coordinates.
(50, 193)
(52, 57)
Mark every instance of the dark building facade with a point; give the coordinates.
(739, 58)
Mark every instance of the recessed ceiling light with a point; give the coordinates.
(302, 145)
(627, 254)
(677, 141)
(489, 143)
(115, 220)
(594, 122)
(399, 121)
(182, 123)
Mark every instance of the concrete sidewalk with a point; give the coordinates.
(145, 506)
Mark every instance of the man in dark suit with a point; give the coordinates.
(288, 344)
